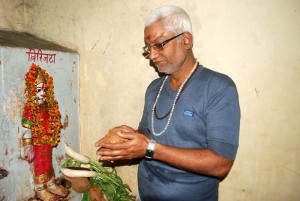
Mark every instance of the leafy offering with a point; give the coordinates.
(104, 178)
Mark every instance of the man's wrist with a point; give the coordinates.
(150, 150)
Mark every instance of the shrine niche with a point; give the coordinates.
(39, 113)
(42, 123)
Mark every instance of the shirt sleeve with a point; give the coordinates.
(143, 125)
(223, 119)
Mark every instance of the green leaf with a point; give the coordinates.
(86, 195)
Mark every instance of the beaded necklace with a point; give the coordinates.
(170, 113)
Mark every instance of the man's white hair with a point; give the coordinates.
(175, 19)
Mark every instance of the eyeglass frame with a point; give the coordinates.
(158, 46)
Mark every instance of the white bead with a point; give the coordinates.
(173, 105)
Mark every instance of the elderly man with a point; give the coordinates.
(188, 134)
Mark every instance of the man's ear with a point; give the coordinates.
(187, 40)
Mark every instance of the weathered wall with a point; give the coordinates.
(255, 42)
(14, 64)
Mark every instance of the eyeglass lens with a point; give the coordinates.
(159, 46)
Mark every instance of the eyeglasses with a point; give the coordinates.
(158, 46)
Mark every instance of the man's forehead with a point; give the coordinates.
(154, 31)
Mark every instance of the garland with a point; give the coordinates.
(50, 105)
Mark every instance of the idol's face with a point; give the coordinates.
(40, 92)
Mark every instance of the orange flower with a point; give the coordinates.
(53, 126)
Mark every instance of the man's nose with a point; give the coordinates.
(153, 53)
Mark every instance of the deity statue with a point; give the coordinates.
(41, 122)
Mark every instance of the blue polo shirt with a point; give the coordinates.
(206, 116)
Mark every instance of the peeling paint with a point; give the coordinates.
(59, 159)
(12, 74)
(95, 44)
(3, 173)
(257, 92)
(66, 122)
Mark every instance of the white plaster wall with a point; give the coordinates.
(14, 64)
(255, 42)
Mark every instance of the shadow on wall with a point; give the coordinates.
(10, 38)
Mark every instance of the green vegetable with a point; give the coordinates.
(107, 180)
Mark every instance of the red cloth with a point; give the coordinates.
(43, 153)
(43, 160)
(44, 114)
